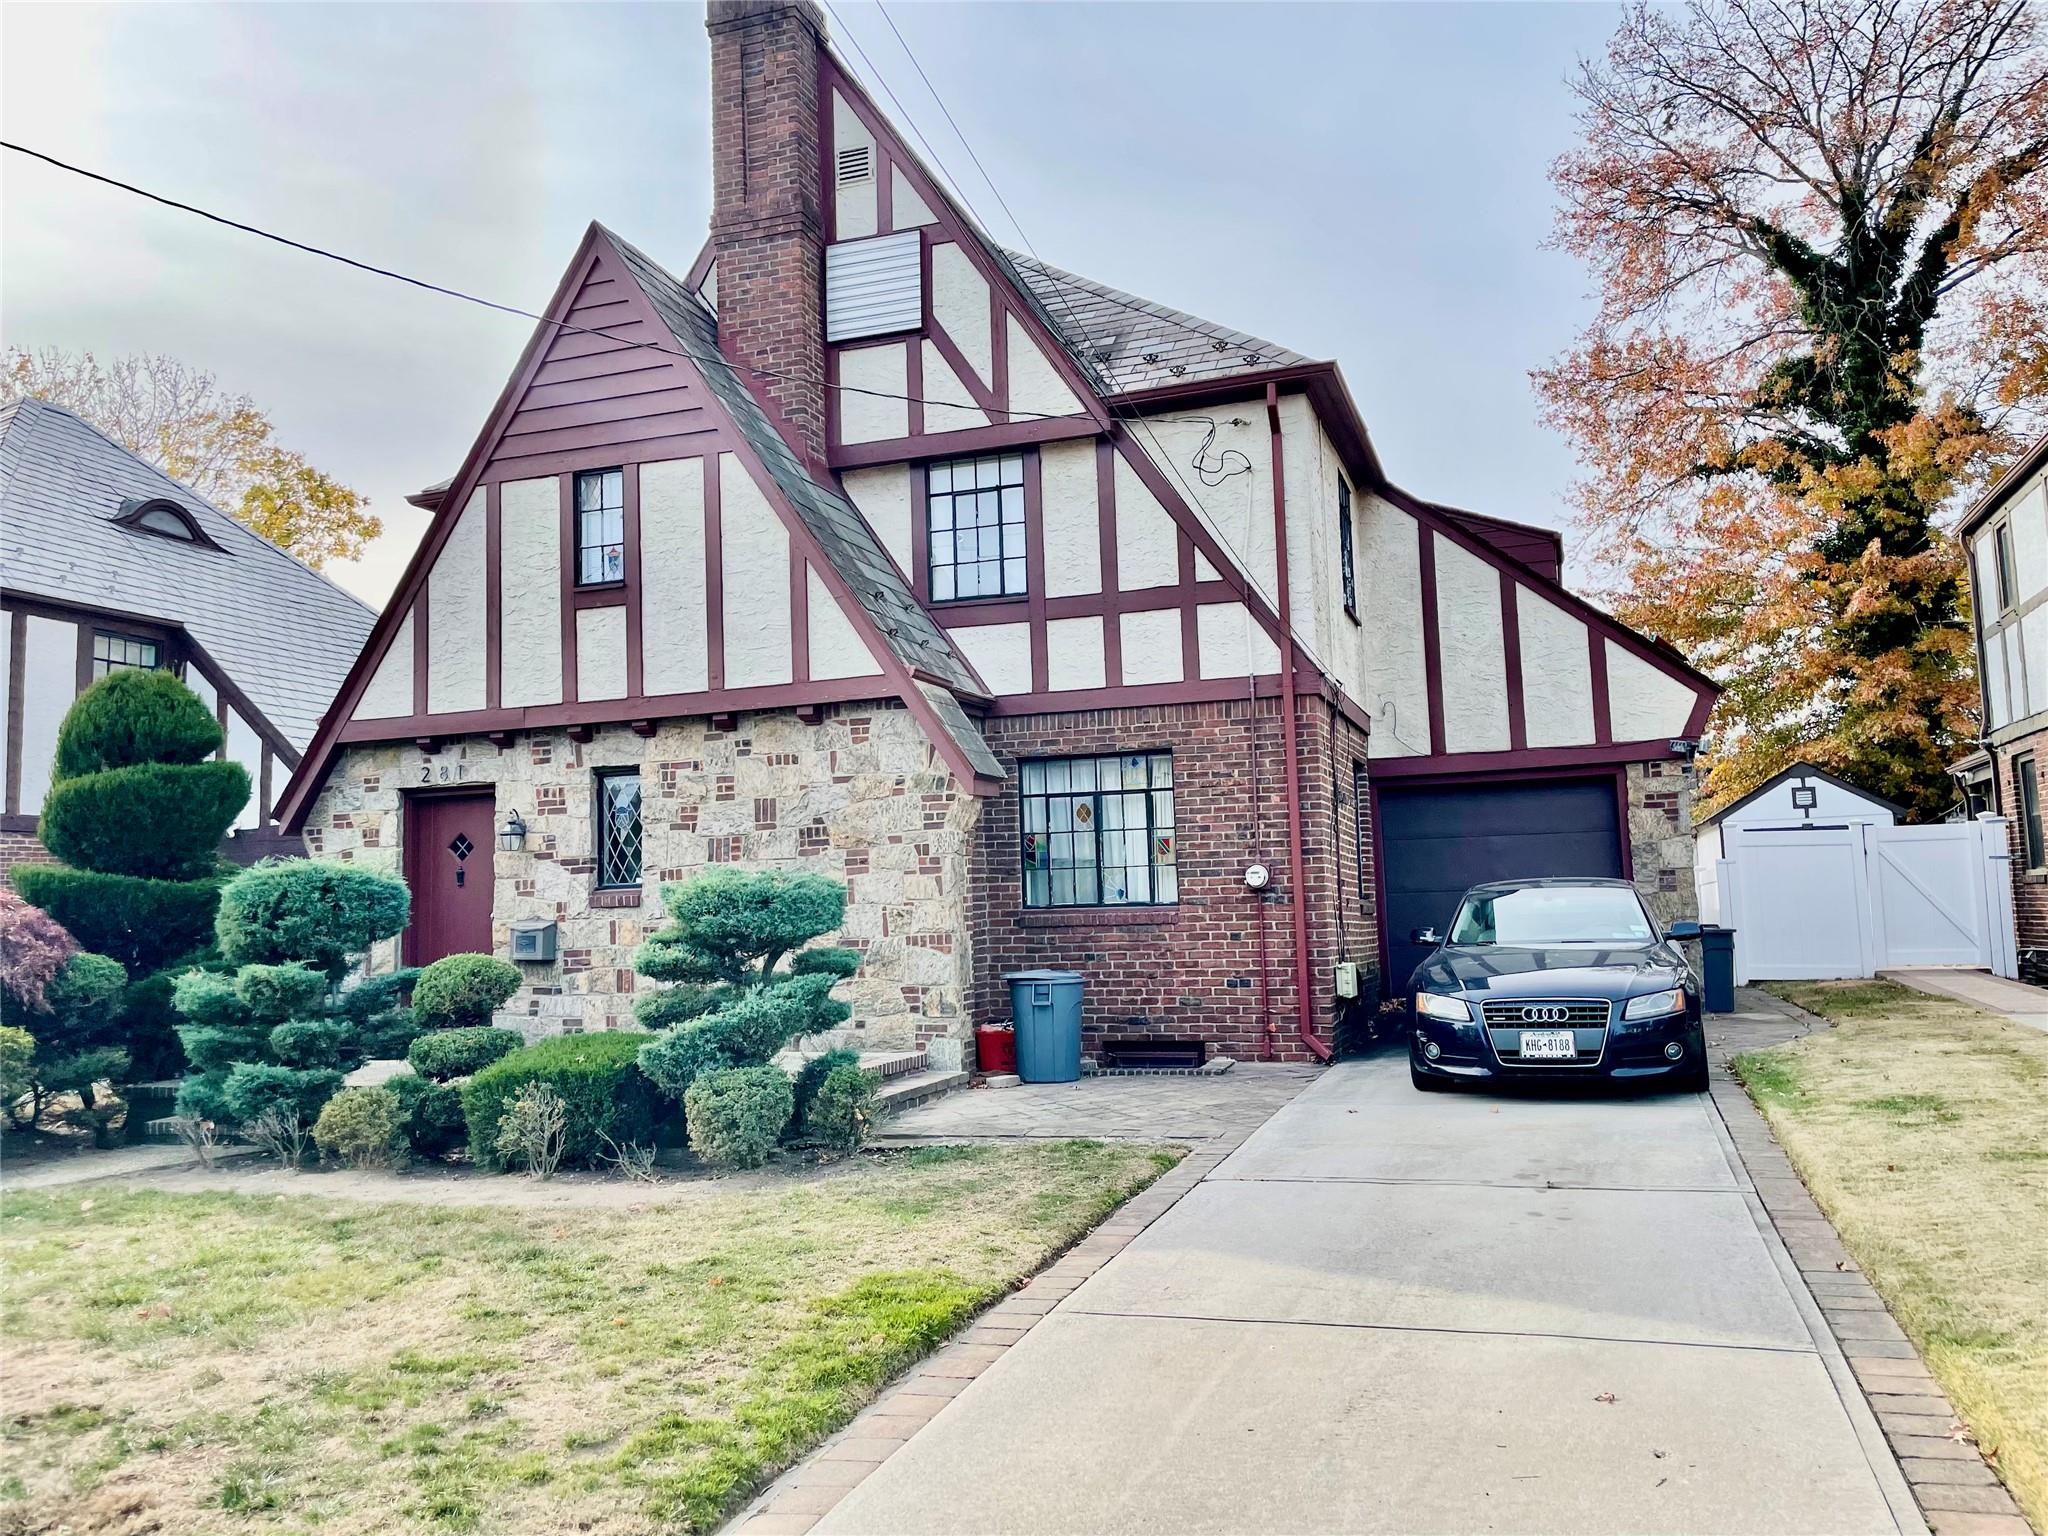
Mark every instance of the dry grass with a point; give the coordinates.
(1921, 1127)
(223, 1363)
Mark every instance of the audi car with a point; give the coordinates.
(1556, 979)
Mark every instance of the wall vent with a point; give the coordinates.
(856, 163)
(874, 287)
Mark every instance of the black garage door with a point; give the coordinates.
(1436, 841)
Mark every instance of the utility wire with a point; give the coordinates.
(470, 298)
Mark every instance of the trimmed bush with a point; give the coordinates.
(598, 1077)
(459, 991)
(432, 1114)
(444, 1053)
(737, 1116)
(144, 924)
(162, 820)
(77, 1030)
(812, 1076)
(134, 716)
(251, 1087)
(362, 1127)
(744, 1033)
(845, 1106)
(17, 1069)
(149, 1023)
(314, 911)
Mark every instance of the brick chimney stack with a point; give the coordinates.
(767, 223)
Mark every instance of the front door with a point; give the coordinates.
(448, 843)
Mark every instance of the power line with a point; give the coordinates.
(470, 298)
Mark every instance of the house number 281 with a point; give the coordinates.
(443, 773)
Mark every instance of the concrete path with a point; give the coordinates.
(2013, 1001)
(1398, 1312)
(1184, 1109)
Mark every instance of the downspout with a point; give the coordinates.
(1304, 1024)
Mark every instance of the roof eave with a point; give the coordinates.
(2004, 488)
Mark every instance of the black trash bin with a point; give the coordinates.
(1717, 967)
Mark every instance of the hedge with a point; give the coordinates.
(310, 910)
(599, 1079)
(145, 924)
(433, 1114)
(131, 717)
(461, 990)
(162, 820)
(444, 1053)
(738, 1115)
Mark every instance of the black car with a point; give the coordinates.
(1555, 979)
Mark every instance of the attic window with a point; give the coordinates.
(856, 163)
(874, 287)
(164, 518)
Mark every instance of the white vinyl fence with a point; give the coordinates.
(1816, 903)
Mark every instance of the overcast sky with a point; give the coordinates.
(1363, 182)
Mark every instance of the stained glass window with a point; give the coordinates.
(1098, 831)
(618, 829)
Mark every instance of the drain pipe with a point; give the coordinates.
(1305, 1023)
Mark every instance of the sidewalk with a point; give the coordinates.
(2013, 1001)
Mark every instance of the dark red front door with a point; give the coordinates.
(448, 843)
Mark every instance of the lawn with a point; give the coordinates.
(1921, 1127)
(221, 1362)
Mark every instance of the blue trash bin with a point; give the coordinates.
(1047, 1007)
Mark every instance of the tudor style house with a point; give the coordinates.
(1065, 628)
(2005, 536)
(107, 562)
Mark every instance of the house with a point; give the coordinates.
(1066, 628)
(1800, 797)
(2005, 537)
(107, 562)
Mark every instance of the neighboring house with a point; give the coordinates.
(1800, 798)
(1065, 628)
(2006, 537)
(107, 562)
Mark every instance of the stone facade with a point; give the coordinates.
(860, 797)
(1219, 964)
(1660, 839)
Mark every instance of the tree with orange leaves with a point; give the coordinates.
(1821, 234)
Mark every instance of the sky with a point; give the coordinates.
(1362, 182)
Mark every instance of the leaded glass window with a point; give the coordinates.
(1098, 831)
(974, 510)
(1344, 548)
(111, 653)
(600, 527)
(618, 829)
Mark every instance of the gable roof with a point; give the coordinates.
(284, 634)
(1799, 770)
(843, 533)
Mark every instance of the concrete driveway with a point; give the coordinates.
(1398, 1312)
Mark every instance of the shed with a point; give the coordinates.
(1800, 796)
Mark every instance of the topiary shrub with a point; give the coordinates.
(279, 1033)
(17, 1065)
(845, 1107)
(134, 716)
(145, 924)
(737, 1115)
(812, 1075)
(442, 1054)
(362, 1127)
(597, 1075)
(91, 822)
(459, 991)
(733, 1004)
(432, 1114)
(309, 911)
(68, 1002)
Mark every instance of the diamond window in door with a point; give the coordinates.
(1098, 831)
(462, 848)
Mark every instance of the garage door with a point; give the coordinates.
(1437, 841)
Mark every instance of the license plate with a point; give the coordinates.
(1549, 1045)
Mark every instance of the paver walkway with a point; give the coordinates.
(2014, 1001)
(1188, 1110)
(1395, 1312)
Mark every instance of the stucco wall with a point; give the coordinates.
(601, 653)
(882, 496)
(948, 407)
(1035, 385)
(853, 202)
(674, 639)
(1644, 703)
(907, 210)
(860, 797)
(1073, 526)
(873, 417)
(1231, 643)
(1151, 647)
(756, 564)
(1474, 654)
(1073, 653)
(388, 694)
(1396, 679)
(837, 649)
(455, 614)
(530, 588)
(1557, 673)
(1147, 540)
(1001, 653)
(960, 304)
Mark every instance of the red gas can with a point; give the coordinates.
(995, 1050)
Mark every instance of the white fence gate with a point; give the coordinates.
(1816, 903)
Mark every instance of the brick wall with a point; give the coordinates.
(1219, 964)
(766, 216)
(22, 848)
(2029, 890)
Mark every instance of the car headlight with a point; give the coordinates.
(1653, 1005)
(1452, 1009)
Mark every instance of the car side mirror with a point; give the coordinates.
(1682, 931)
(1424, 935)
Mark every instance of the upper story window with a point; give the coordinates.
(112, 652)
(618, 829)
(974, 510)
(1344, 546)
(2002, 551)
(600, 527)
(164, 518)
(1098, 831)
(2027, 792)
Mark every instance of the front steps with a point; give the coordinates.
(908, 1077)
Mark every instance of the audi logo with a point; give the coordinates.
(1545, 1015)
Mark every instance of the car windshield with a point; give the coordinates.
(1552, 914)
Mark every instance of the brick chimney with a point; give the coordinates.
(767, 225)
